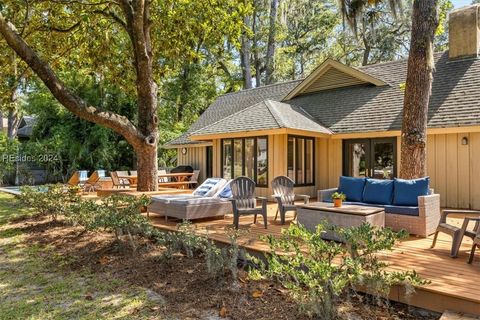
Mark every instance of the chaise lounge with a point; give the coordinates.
(210, 199)
(408, 204)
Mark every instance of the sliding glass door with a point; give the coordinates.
(374, 158)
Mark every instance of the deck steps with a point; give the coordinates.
(449, 315)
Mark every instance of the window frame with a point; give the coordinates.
(305, 152)
(255, 159)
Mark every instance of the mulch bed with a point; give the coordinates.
(184, 284)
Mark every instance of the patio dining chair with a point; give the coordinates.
(162, 179)
(244, 201)
(284, 194)
(457, 233)
(119, 182)
(193, 182)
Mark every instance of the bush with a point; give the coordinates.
(317, 272)
(50, 200)
(118, 214)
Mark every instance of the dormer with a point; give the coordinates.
(332, 74)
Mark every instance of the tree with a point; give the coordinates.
(142, 32)
(418, 89)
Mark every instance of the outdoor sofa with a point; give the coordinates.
(408, 204)
(210, 199)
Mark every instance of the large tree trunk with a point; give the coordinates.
(13, 123)
(245, 58)
(418, 90)
(144, 136)
(270, 57)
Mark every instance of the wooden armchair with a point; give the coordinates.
(476, 243)
(455, 232)
(283, 192)
(244, 200)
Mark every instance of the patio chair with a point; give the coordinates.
(455, 232)
(244, 200)
(133, 172)
(92, 183)
(122, 173)
(284, 194)
(162, 179)
(119, 182)
(193, 182)
(476, 243)
(79, 177)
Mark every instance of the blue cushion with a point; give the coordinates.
(352, 188)
(378, 191)
(226, 193)
(406, 192)
(403, 210)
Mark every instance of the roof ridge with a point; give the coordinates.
(227, 117)
(278, 118)
(393, 61)
(261, 87)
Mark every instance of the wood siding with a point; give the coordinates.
(454, 168)
(195, 157)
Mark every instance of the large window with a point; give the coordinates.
(300, 160)
(246, 157)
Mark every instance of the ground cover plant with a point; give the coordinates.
(75, 269)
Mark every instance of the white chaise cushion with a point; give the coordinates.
(209, 187)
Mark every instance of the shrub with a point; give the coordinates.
(50, 200)
(317, 272)
(120, 214)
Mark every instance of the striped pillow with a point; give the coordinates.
(205, 187)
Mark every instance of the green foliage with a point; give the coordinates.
(50, 200)
(317, 272)
(339, 195)
(117, 214)
(8, 149)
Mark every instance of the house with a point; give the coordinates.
(344, 120)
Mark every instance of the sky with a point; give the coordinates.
(461, 3)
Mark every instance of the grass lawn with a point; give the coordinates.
(35, 285)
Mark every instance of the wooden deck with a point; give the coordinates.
(455, 285)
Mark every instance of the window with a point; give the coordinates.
(300, 160)
(246, 157)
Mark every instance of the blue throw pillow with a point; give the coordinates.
(206, 186)
(406, 192)
(226, 192)
(352, 188)
(378, 191)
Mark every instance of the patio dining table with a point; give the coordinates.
(175, 177)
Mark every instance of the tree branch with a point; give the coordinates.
(67, 98)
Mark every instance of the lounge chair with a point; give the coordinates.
(133, 172)
(284, 194)
(79, 177)
(217, 205)
(119, 182)
(455, 232)
(92, 184)
(244, 201)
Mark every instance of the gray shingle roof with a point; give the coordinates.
(265, 115)
(231, 103)
(455, 99)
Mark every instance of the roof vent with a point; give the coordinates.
(464, 32)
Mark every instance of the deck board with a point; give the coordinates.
(454, 283)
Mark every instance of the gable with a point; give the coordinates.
(331, 75)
